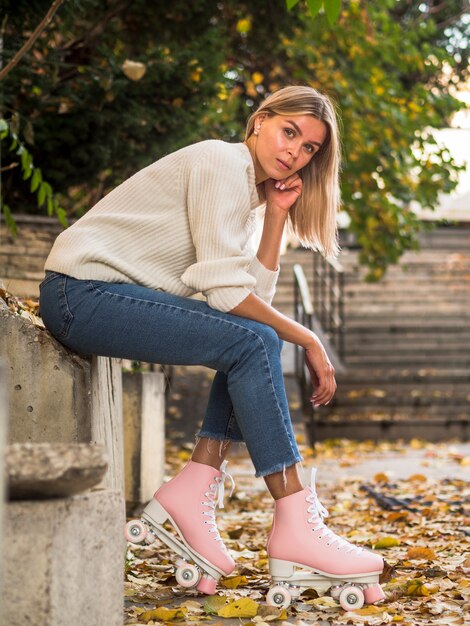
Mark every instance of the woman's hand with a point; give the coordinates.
(322, 374)
(281, 194)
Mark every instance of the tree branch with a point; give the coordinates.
(31, 41)
(451, 20)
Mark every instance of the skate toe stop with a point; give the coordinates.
(207, 585)
(373, 594)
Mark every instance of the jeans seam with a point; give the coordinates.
(69, 313)
(179, 308)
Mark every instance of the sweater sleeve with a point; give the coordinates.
(221, 222)
(265, 279)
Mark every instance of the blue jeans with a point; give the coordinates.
(247, 401)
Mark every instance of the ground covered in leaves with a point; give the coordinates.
(420, 524)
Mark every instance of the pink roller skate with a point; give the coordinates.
(187, 502)
(305, 554)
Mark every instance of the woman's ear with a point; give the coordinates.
(259, 121)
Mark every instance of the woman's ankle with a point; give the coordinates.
(284, 483)
(210, 451)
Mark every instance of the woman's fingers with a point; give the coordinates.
(288, 183)
(322, 374)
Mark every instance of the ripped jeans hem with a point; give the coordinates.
(218, 437)
(280, 467)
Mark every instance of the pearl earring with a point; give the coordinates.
(256, 131)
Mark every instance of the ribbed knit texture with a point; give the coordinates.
(184, 224)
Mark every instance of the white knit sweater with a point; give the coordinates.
(184, 224)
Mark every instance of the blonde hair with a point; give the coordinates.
(313, 216)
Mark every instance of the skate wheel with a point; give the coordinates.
(135, 531)
(351, 598)
(278, 596)
(335, 591)
(187, 575)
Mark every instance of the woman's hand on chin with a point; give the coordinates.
(282, 194)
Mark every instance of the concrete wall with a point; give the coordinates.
(64, 561)
(49, 387)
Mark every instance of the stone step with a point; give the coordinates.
(417, 360)
(413, 340)
(416, 325)
(459, 399)
(404, 350)
(398, 412)
(397, 376)
(362, 428)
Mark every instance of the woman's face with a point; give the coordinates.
(286, 143)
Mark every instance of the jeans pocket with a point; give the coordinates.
(53, 305)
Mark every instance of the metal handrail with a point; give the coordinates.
(328, 299)
(303, 314)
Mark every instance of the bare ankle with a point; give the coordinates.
(284, 483)
(210, 451)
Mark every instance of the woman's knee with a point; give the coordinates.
(268, 337)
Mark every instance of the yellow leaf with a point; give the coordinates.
(381, 478)
(244, 607)
(134, 70)
(244, 25)
(421, 552)
(163, 614)
(369, 610)
(257, 78)
(387, 542)
(418, 588)
(234, 582)
(419, 478)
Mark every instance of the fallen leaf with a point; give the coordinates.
(420, 552)
(164, 614)
(213, 604)
(243, 607)
(386, 542)
(234, 582)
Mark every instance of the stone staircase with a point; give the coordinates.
(407, 343)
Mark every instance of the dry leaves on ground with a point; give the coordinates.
(420, 526)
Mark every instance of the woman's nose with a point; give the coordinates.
(293, 151)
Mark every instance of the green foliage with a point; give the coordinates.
(388, 73)
(39, 187)
(331, 8)
(388, 79)
(111, 87)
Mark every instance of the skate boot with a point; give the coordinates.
(305, 554)
(187, 503)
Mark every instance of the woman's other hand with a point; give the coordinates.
(281, 194)
(322, 374)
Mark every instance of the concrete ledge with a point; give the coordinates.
(49, 386)
(64, 561)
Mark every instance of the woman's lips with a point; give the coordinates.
(283, 165)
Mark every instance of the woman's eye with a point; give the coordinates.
(289, 132)
(309, 148)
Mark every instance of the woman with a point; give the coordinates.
(118, 283)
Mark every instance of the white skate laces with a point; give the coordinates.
(320, 512)
(216, 497)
